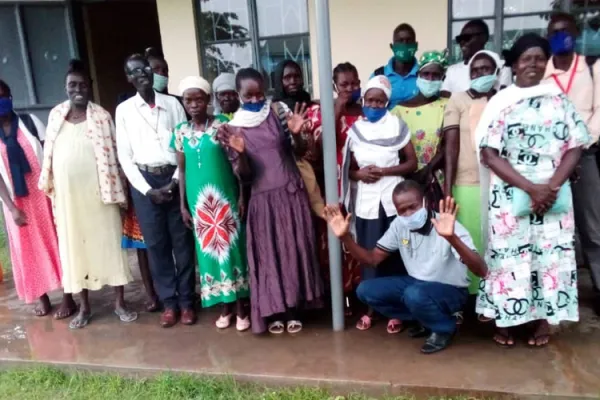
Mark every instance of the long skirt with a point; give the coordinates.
(468, 197)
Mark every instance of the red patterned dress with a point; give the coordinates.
(34, 247)
(350, 266)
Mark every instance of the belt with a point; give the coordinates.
(160, 170)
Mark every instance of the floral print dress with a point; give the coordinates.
(212, 193)
(531, 259)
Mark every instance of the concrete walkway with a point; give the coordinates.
(371, 361)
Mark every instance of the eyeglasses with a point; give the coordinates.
(140, 71)
(466, 37)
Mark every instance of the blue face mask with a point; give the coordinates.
(356, 95)
(588, 43)
(6, 106)
(373, 114)
(429, 88)
(415, 221)
(562, 42)
(484, 84)
(254, 107)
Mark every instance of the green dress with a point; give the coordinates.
(212, 193)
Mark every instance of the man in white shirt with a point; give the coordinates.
(144, 125)
(473, 37)
(436, 261)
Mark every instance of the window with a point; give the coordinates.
(36, 46)
(509, 19)
(240, 33)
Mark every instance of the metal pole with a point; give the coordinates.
(329, 156)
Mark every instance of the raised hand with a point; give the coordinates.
(338, 224)
(444, 224)
(297, 121)
(232, 137)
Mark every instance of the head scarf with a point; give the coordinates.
(434, 57)
(194, 82)
(494, 56)
(380, 82)
(222, 83)
(302, 96)
(524, 43)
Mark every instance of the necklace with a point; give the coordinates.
(200, 143)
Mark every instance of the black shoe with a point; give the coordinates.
(436, 342)
(418, 331)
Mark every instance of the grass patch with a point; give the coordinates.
(49, 383)
(4, 251)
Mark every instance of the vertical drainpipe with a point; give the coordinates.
(329, 155)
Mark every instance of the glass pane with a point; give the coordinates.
(48, 45)
(472, 8)
(527, 6)
(455, 53)
(12, 70)
(226, 57)
(282, 17)
(273, 51)
(515, 27)
(223, 20)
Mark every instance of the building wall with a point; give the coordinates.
(361, 31)
(179, 39)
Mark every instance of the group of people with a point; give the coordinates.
(452, 179)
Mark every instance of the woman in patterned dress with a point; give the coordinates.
(31, 234)
(347, 112)
(210, 205)
(424, 115)
(531, 139)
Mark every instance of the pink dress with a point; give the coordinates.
(34, 247)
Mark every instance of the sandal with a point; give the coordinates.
(224, 321)
(242, 324)
(460, 319)
(294, 326)
(364, 323)
(126, 315)
(276, 328)
(539, 341)
(80, 321)
(500, 337)
(484, 319)
(394, 326)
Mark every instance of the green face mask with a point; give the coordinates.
(404, 52)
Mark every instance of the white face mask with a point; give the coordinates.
(415, 221)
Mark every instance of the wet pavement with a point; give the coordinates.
(371, 361)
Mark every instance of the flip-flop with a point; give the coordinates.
(126, 315)
(294, 326)
(80, 321)
(394, 326)
(535, 339)
(506, 338)
(364, 323)
(276, 328)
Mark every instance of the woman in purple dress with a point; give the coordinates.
(263, 139)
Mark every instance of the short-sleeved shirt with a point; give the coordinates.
(458, 78)
(404, 88)
(428, 257)
(459, 114)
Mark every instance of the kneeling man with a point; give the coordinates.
(436, 260)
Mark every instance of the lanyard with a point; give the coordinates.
(571, 78)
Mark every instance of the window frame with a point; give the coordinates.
(254, 37)
(498, 17)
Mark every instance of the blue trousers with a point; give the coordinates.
(170, 245)
(432, 304)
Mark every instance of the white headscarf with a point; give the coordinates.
(222, 83)
(491, 54)
(380, 82)
(194, 82)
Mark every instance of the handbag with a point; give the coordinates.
(521, 202)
